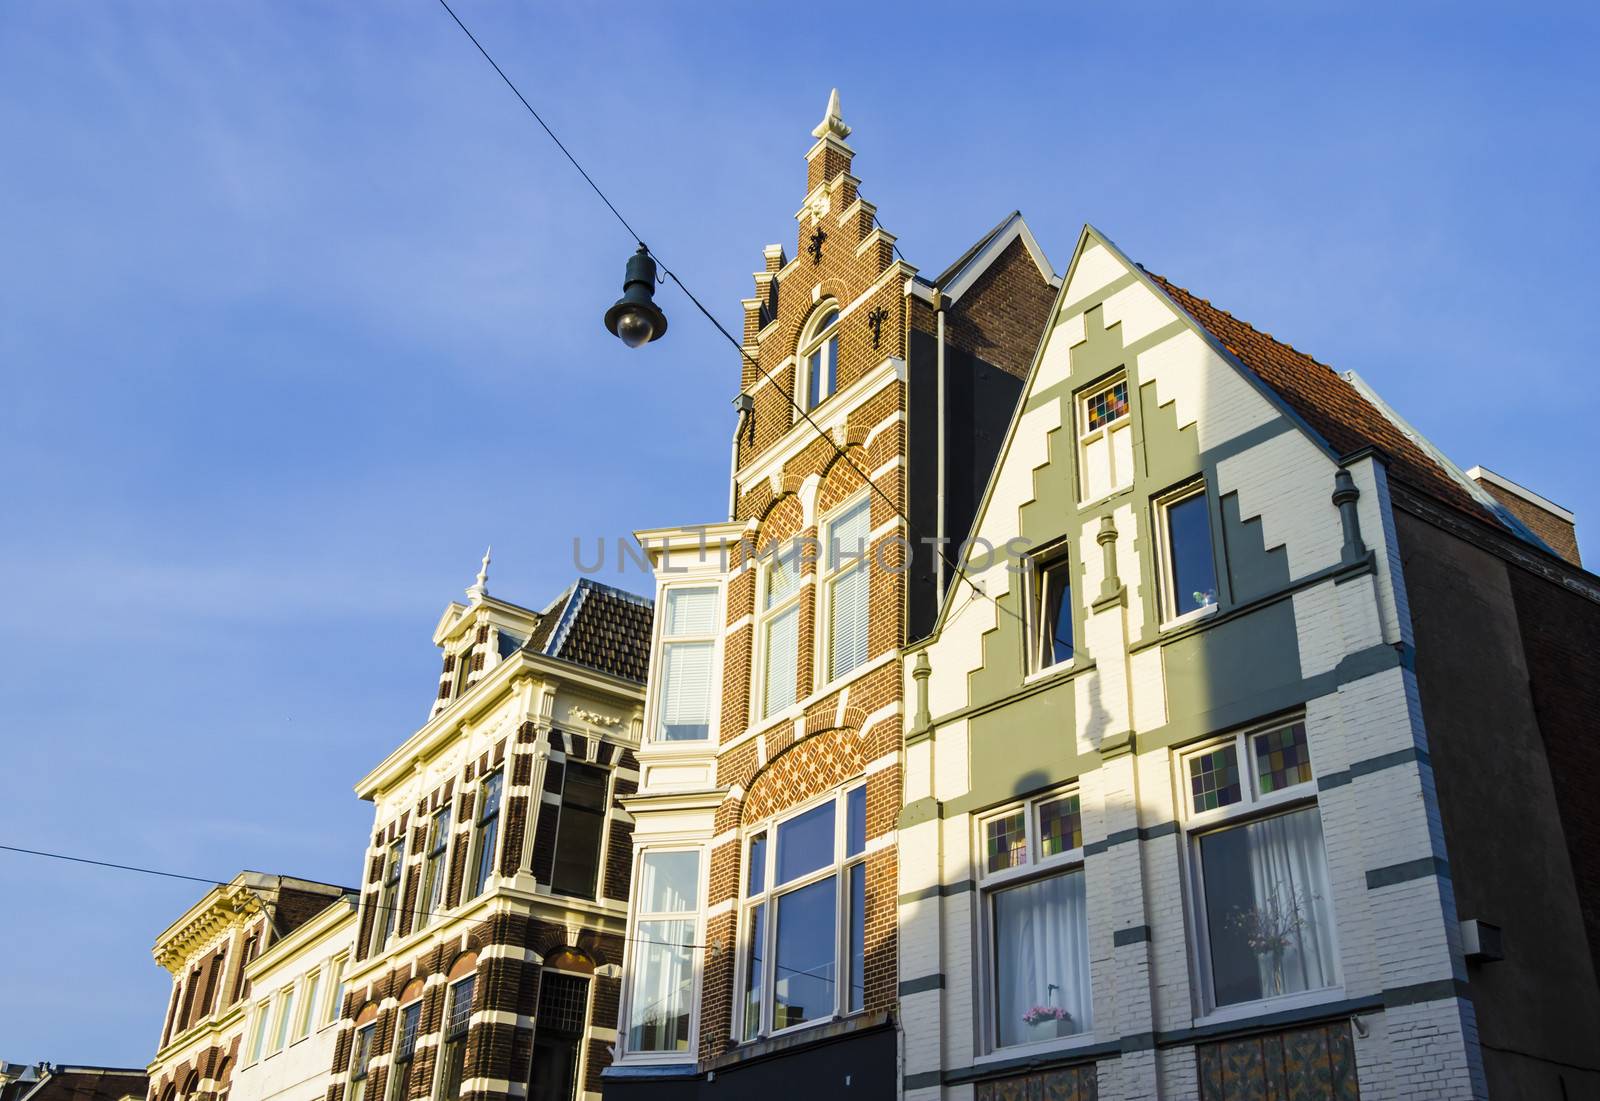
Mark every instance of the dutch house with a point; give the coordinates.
(488, 943)
(761, 954)
(209, 951)
(1255, 763)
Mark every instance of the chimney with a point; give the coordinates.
(1548, 520)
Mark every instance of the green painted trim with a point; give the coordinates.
(1122, 837)
(1311, 580)
(1121, 744)
(939, 890)
(1407, 871)
(919, 811)
(1096, 296)
(1374, 764)
(922, 984)
(1130, 352)
(1043, 684)
(1118, 599)
(1137, 934)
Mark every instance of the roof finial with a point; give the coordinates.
(832, 124)
(480, 588)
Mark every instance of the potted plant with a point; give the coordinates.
(1046, 1022)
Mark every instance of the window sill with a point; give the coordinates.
(1060, 668)
(824, 1028)
(1042, 1047)
(1244, 1011)
(1104, 497)
(1189, 617)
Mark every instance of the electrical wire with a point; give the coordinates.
(374, 907)
(957, 570)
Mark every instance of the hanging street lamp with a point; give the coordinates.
(635, 319)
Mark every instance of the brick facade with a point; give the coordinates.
(793, 472)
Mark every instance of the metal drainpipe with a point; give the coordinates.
(938, 523)
(746, 405)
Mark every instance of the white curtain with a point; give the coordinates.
(1293, 918)
(849, 622)
(1041, 935)
(783, 650)
(685, 691)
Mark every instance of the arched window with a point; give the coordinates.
(819, 357)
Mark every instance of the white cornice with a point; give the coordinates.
(482, 697)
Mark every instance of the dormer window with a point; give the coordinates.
(463, 671)
(819, 358)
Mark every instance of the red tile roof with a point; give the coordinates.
(1327, 402)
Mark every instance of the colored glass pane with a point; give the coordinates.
(1060, 826)
(1005, 842)
(1214, 778)
(1282, 758)
(1108, 405)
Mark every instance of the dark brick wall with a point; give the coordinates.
(1500, 656)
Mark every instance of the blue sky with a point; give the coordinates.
(299, 310)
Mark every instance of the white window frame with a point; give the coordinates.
(1252, 806)
(630, 951)
(469, 872)
(838, 869)
(390, 1081)
(439, 1037)
(371, 1028)
(827, 580)
(1120, 481)
(1035, 867)
(282, 1027)
(386, 907)
(336, 970)
(1041, 564)
(817, 337)
(427, 914)
(663, 640)
(1165, 564)
(310, 995)
(260, 1025)
(763, 620)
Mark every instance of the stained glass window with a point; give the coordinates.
(1060, 826)
(1005, 842)
(1214, 778)
(1282, 758)
(1108, 405)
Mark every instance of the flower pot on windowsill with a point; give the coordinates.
(1040, 1027)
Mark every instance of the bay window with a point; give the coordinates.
(844, 587)
(486, 832)
(1188, 568)
(804, 917)
(779, 631)
(688, 647)
(1037, 929)
(1105, 440)
(661, 987)
(1263, 901)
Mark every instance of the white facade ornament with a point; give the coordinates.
(832, 125)
(479, 588)
(594, 718)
